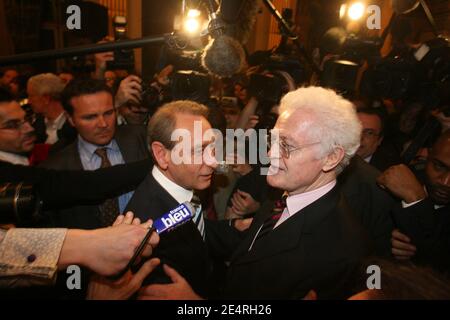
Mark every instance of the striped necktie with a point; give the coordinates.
(198, 218)
(270, 222)
(109, 210)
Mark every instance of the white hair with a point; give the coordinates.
(336, 125)
(47, 84)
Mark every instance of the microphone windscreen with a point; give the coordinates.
(224, 57)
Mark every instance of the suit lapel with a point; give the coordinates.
(125, 150)
(161, 193)
(286, 236)
(73, 157)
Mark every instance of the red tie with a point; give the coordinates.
(270, 222)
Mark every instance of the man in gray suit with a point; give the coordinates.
(90, 109)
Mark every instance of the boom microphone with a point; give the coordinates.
(229, 29)
(224, 57)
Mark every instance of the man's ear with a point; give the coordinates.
(333, 159)
(160, 154)
(46, 98)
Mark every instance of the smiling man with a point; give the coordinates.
(17, 136)
(315, 240)
(90, 109)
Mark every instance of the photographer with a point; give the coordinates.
(128, 102)
(33, 256)
(266, 90)
(137, 100)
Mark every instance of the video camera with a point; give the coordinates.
(411, 74)
(123, 58)
(19, 204)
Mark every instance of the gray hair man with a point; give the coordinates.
(312, 239)
(44, 92)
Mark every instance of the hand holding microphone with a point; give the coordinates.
(167, 222)
(125, 284)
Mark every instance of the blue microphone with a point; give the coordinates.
(171, 220)
(174, 218)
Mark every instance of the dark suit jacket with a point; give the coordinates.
(385, 157)
(182, 248)
(66, 135)
(133, 146)
(429, 230)
(372, 204)
(314, 249)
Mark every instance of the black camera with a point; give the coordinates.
(190, 85)
(265, 88)
(123, 58)
(268, 90)
(19, 204)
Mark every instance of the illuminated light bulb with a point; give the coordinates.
(356, 11)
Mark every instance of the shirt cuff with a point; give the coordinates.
(407, 205)
(31, 253)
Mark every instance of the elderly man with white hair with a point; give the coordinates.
(312, 240)
(43, 94)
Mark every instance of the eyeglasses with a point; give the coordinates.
(286, 149)
(15, 124)
(370, 133)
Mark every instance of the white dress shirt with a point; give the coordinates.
(14, 158)
(52, 128)
(178, 193)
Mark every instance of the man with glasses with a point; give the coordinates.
(372, 149)
(17, 136)
(312, 239)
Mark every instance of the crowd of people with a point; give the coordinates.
(338, 196)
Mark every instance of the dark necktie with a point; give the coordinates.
(109, 210)
(270, 222)
(198, 218)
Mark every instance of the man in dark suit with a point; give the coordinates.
(171, 183)
(371, 204)
(44, 92)
(424, 214)
(314, 241)
(89, 104)
(374, 148)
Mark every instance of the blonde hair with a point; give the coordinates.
(47, 84)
